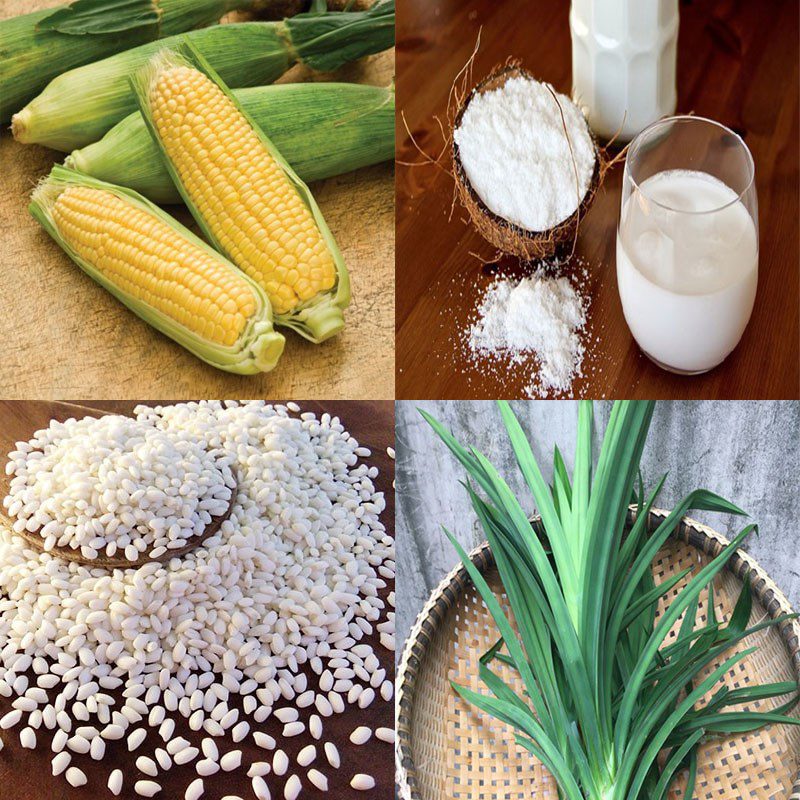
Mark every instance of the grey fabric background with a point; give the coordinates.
(748, 452)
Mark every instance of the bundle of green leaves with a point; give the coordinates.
(603, 693)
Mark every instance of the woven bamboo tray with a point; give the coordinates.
(448, 749)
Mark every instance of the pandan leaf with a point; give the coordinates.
(603, 691)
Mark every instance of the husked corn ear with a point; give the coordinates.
(244, 195)
(160, 270)
(241, 191)
(149, 261)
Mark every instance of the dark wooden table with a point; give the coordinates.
(737, 63)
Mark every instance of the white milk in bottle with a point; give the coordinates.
(687, 268)
(623, 63)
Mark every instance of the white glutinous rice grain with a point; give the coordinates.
(332, 754)
(210, 750)
(78, 744)
(517, 158)
(385, 734)
(291, 791)
(293, 729)
(186, 755)
(287, 714)
(146, 788)
(163, 758)
(231, 761)
(366, 697)
(75, 777)
(98, 749)
(207, 767)
(146, 765)
(260, 788)
(177, 744)
(136, 738)
(307, 755)
(10, 719)
(218, 636)
(113, 732)
(264, 740)
(194, 791)
(259, 768)
(280, 762)
(115, 782)
(361, 735)
(316, 778)
(240, 731)
(363, 782)
(27, 738)
(60, 762)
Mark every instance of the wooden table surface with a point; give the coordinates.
(64, 336)
(28, 771)
(737, 63)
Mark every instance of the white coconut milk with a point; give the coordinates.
(623, 63)
(687, 281)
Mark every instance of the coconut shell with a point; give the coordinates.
(505, 235)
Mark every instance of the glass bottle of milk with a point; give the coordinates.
(623, 63)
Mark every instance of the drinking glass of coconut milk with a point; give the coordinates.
(687, 242)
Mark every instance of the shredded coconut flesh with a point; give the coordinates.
(217, 640)
(516, 155)
(537, 317)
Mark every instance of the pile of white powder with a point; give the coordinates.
(516, 155)
(538, 317)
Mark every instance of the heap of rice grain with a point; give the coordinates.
(109, 484)
(271, 617)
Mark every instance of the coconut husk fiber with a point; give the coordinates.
(505, 235)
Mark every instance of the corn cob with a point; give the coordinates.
(321, 129)
(160, 270)
(81, 105)
(243, 194)
(36, 47)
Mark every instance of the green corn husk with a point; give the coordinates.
(259, 347)
(321, 129)
(80, 106)
(34, 48)
(317, 319)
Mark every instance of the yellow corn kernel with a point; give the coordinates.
(241, 191)
(149, 260)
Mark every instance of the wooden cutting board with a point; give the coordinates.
(25, 774)
(737, 63)
(64, 336)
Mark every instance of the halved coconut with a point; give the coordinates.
(502, 233)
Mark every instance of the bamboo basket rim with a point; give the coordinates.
(452, 586)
